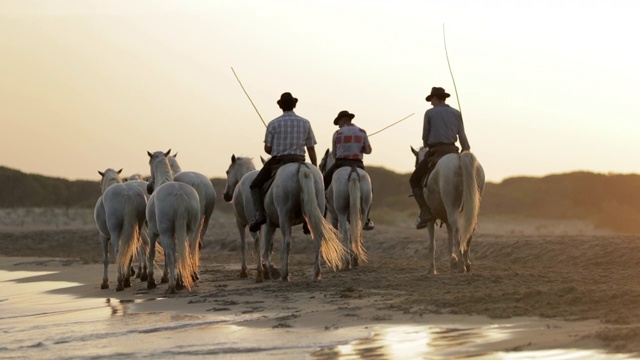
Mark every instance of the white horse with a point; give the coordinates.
(173, 214)
(240, 174)
(204, 188)
(119, 215)
(453, 192)
(297, 195)
(348, 200)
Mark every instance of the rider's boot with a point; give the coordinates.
(368, 225)
(425, 216)
(261, 217)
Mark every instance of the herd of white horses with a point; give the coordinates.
(175, 207)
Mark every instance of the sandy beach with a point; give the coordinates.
(535, 290)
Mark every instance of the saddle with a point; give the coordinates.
(433, 157)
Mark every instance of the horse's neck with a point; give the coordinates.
(163, 174)
(108, 182)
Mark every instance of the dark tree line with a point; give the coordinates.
(608, 201)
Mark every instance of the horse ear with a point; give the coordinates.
(414, 151)
(326, 152)
(233, 158)
(167, 153)
(101, 173)
(149, 153)
(119, 171)
(175, 155)
(263, 160)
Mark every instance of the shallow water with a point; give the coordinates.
(40, 320)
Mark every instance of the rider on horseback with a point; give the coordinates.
(348, 146)
(285, 140)
(442, 127)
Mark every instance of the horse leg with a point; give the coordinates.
(105, 261)
(127, 273)
(151, 283)
(271, 272)
(256, 250)
(165, 273)
(453, 233)
(170, 260)
(465, 255)
(115, 235)
(285, 228)
(431, 248)
(243, 250)
(142, 254)
(343, 228)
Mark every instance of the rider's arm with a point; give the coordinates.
(267, 149)
(312, 155)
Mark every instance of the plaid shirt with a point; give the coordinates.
(350, 142)
(288, 134)
(443, 124)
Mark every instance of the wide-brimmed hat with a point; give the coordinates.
(341, 114)
(287, 98)
(437, 92)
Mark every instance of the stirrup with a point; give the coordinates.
(422, 222)
(257, 222)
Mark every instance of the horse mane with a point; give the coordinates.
(245, 162)
(160, 165)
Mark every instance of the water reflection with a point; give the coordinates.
(121, 307)
(438, 342)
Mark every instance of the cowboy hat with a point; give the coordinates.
(341, 114)
(437, 92)
(287, 98)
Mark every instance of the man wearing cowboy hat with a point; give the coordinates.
(349, 145)
(285, 140)
(442, 127)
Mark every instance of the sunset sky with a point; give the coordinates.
(545, 86)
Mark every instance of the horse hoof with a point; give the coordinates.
(164, 280)
(119, 287)
(127, 283)
(259, 279)
(195, 277)
(133, 271)
(104, 285)
(172, 290)
(285, 278)
(144, 277)
(151, 284)
(243, 274)
(274, 273)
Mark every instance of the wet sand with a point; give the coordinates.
(528, 293)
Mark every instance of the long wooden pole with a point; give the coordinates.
(386, 127)
(450, 71)
(248, 97)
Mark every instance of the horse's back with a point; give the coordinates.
(167, 203)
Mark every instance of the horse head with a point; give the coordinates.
(239, 167)
(419, 154)
(160, 169)
(173, 162)
(109, 177)
(327, 161)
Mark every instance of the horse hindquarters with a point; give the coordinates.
(355, 220)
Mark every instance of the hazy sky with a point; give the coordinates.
(545, 86)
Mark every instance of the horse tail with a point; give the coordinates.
(355, 216)
(202, 198)
(183, 256)
(470, 196)
(327, 238)
(129, 240)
